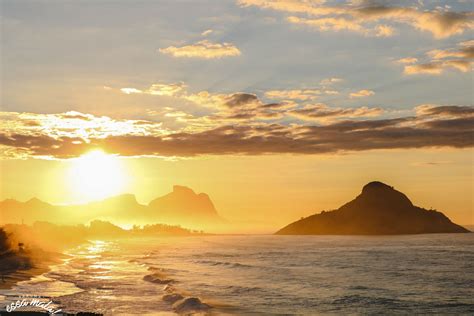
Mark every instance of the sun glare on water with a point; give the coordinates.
(96, 175)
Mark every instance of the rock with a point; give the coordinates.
(168, 288)
(157, 278)
(172, 297)
(378, 210)
(190, 305)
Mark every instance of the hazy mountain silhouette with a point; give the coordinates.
(12, 211)
(120, 206)
(184, 203)
(378, 210)
(182, 206)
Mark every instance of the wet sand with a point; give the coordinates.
(16, 267)
(24, 313)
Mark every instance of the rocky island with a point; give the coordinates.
(378, 210)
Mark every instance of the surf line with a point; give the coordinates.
(32, 302)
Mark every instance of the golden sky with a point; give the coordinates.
(276, 109)
(263, 193)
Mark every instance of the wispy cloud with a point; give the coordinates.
(202, 49)
(322, 113)
(166, 89)
(161, 89)
(127, 90)
(438, 67)
(361, 93)
(440, 60)
(330, 81)
(367, 18)
(305, 94)
(225, 107)
(431, 163)
(343, 24)
(407, 60)
(447, 111)
(207, 32)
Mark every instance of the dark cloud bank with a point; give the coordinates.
(448, 126)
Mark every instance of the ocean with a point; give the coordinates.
(264, 275)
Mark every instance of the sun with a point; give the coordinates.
(96, 175)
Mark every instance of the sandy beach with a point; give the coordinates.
(16, 267)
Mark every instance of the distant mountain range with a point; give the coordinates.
(378, 210)
(180, 207)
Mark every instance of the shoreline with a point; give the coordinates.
(39, 262)
(31, 313)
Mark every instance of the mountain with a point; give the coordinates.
(181, 206)
(122, 206)
(12, 211)
(378, 210)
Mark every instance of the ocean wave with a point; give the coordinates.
(157, 278)
(191, 305)
(236, 290)
(359, 300)
(154, 268)
(358, 287)
(181, 304)
(454, 305)
(215, 254)
(223, 263)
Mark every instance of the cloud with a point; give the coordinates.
(431, 110)
(330, 81)
(227, 107)
(279, 106)
(331, 92)
(231, 107)
(67, 135)
(202, 49)
(440, 60)
(407, 60)
(329, 24)
(431, 163)
(160, 89)
(361, 93)
(383, 31)
(440, 24)
(235, 107)
(166, 89)
(467, 43)
(129, 90)
(437, 68)
(323, 113)
(305, 94)
(466, 52)
(179, 114)
(74, 125)
(207, 32)
(248, 110)
(223, 101)
(240, 99)
(343, 24)
(366, 17)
